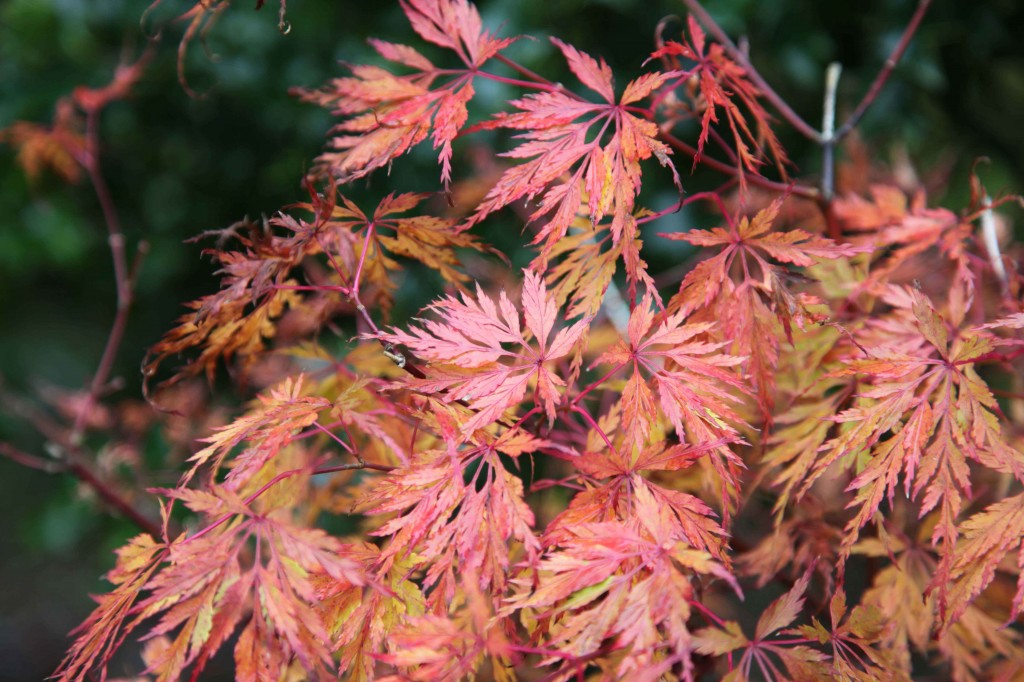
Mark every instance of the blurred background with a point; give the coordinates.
(178, 165)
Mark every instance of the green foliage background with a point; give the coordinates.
(178, 166)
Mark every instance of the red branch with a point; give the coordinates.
(757, 180)
(71, 457)
(71, 462)
(112, 497)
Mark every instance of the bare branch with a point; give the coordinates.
(757, 180)
(991, 240)
(111, 496)
(124, 277)
(890, 63)
(828, 122)
(25, 459)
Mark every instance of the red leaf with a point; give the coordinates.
(924, 415)
(595, 74)
(267, 430)
(694, 380)
(388, 114)
(724, 86)
(472, 334)
(566, 160)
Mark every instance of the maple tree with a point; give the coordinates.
(576, 467)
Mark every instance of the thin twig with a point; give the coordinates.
(66, 445)
(25, 459)
(523, 71)
(757, 180)
(991, 240)
(111, 496)
(890, 63)
(594, 425)
(336, 439)
(828, 124)
(124, 277)
(40, 420)
(68, 458)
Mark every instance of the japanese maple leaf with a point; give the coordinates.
(583, 271)
(199, 588)
(208, 586)
(431, 647)
(580, 266)
(625, 495)
(802, 541)
(258, 280)
(472, 334)
(985, 540)
(854, 637)
(899, 593)
(812, 397)
(200, 20)
(924, 416)
(236, 321)
(450, 526)
(750, 311)
(565, 135)
(800, 661)
(751, 243)
(266, 430)
(905, 594)
(63, 147)
(722, 84)
(360, 620)
(629, 581)
(692, 377)
(901, 230)
(387, 114)
(99, 633)
(126, 76)
(363, 248)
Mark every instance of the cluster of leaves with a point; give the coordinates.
(536, 480)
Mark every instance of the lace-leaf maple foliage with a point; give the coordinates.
(534, 480)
